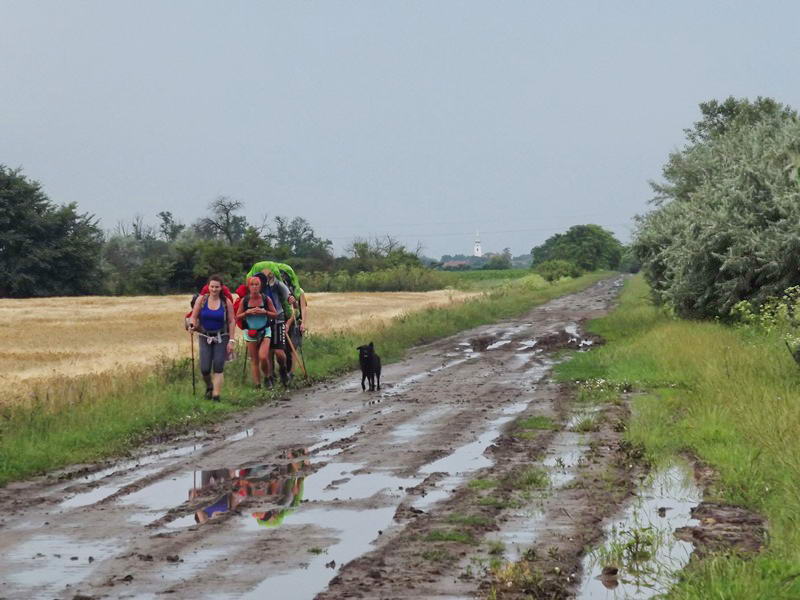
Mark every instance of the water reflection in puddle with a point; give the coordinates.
(355, 530)
(641, 543)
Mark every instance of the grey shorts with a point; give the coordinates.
(213, 355)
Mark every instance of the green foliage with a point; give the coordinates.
(555, 269)
(728, 395)
(45, 250)
(724, 226)
(590, 247)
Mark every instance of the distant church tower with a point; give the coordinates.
(477, 250)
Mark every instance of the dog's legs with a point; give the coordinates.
(371, 378)
(363, 377)
(378, 377)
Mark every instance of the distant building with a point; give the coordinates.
(477, 250)
(456, 265)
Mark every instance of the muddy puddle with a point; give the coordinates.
(641, 556)
(47, 563)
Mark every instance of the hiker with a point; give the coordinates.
(213, 320)
(256, 311)
(298, 321)
(281, 299)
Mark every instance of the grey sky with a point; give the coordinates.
(426, 120)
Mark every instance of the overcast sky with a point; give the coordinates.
(425, 120)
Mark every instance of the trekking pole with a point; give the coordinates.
(191, 343)
(296, 357)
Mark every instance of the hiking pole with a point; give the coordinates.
(191, 343)
(296, 357)
(245, 359)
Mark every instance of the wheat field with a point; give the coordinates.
(58, 337)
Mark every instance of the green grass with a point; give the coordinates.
(731, 396)
(482, 484)
(450, 535)
(110, 415)
(471, 520)
(531, 478)
(537, 422)
(436, 555)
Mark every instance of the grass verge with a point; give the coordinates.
(79, 420)
(729, 395)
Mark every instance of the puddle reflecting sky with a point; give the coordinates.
(652, 571)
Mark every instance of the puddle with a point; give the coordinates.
(405, 383)
(104, 491)
(498, 344)
(527, 344)
(333, 436)
(241, 435)
(141, 462)
(356, 530)
(416, 427)
(44, 563)
(641, 543)
(460, 463)
(161, 495)
(339, 481)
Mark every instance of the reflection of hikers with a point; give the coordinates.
(256, 309)
(279, 294)
(213, 318)
(290, 499)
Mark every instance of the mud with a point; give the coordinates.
(338, 493)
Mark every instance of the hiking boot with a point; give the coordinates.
(269, 382)
(209, 393)
(284, 377)
(215, 399)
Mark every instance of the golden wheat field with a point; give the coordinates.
(56, 337)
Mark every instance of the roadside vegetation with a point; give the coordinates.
(70, 421)
(726, 394)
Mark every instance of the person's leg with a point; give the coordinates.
(255, 366)
(264, 358)
(279, 344)
(205, 363)
(218, 365)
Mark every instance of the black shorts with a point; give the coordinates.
(278, 338)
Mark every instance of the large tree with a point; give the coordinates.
(589, 247)
(726, 218)
(45, 249)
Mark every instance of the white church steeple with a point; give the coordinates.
(477, 250)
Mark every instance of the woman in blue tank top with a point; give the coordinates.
(213, 318)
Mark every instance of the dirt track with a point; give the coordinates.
(334, 492)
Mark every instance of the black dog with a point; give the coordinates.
(370, 366)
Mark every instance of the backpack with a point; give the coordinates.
(244, 299)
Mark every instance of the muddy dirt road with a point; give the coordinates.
(332, 492)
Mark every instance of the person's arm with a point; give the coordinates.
(303, 312)
(283, 292)
(270, 307)
(196, 311)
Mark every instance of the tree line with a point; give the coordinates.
(48, 249)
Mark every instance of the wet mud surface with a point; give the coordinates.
(466, 456)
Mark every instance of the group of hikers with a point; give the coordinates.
(271, 310)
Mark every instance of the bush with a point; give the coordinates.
(398, 279)
(725, 224)
(553, 270)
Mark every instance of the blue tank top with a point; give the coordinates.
(213, 320)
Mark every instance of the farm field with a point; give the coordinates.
(98, 334)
